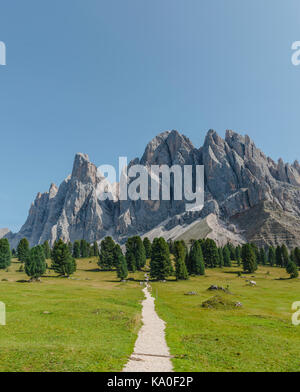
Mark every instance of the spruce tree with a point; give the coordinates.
(84, 248)
(196, 260)
(292, 269)
(106, 256)
(95, 249)
(147, 246)
(76, 249)
(248, 258)
(271, 256)
(256, 253)
(23, 250)
(285, 255)
(35, 264)
(47, 250)
(279, 258)
(210, 253)
(221, 258)
(139, 252)
(231, 249)
(160, 259)
(130, 256)
(297, 256)
(120, 262)
(70, 246)
(226, 256)
(180, 267)
(262, 257)
(62, 261)
(5, 254)
(238, 255)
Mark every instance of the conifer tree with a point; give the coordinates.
(248, 258)
(35, 264)
(210, 253)
(196, 260)
(130, 256)
(271, 256)
(23, 250)
(5, 254)
(95, 249)
(221, 258)
(180, 267)
(70, 246)
(139, 252)
(226, 256)
(120, 262)
(84, 249)
(238, 255)
(285, 256)
(279, 258)
(297, 256)
(76, 249)
(47, 250)
(147, 246)
(62, 261)
(262, 257)
(256, 253)
(106, 256)
(160, 259)
(231, 249)
(292, 269)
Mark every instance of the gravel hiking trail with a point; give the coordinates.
(151, 353)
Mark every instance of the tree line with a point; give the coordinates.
(192, 260)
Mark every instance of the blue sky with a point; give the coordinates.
(104, 77)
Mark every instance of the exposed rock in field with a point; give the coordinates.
(218, 302)
(248, 197)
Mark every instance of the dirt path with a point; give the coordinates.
(151, 353)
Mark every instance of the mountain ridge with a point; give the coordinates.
(238, 178)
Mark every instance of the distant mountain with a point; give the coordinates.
(248, 197)
(4, 232)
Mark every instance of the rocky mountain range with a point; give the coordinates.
(248, 197)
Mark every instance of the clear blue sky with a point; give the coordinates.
(104, 77)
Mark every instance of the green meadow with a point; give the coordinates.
(86, 323)
(259, 336)
(90, 321)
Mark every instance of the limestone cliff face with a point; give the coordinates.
(238, 179)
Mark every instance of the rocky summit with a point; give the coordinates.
(248, 197)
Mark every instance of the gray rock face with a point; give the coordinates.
(3, 232)
(238, 178)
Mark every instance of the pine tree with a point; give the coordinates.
(285, 256)
(297, 256)
(120, 262)
(180, 267)
(95, 249)
(248, 258)
(130, 256)
(210, 253)
(171, 246)
(238, 255)
(271, 256)
(35, 264)
(139, 252)
(262, 257)
(70, 246)
(47, 250)
(256, 253)
(279, 258)
(5, 254)
(84, 248)
(231, 249)
(221, 258)
(226, 256)
(160, 259)
(62, 261)
(196, 260)
(147, 246)
(76, 249)
(23, 250)
(292, 269)
(106, 257)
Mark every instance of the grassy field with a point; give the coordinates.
(259, 336)
(86, 323)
